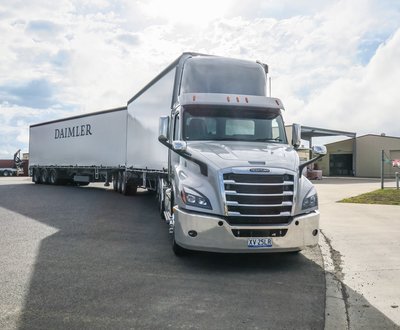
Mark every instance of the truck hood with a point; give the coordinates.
(236, 153)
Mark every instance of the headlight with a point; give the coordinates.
(192, 197)
(310, 201)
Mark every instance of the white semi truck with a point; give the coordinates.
(204, 135)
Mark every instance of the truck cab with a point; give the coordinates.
(234, 183)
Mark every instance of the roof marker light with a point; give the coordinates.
(228, 98)
(194, 98)
(237, 99)
(246, 99)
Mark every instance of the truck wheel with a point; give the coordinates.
(124, 184)
(178, 250)
(6, 173)
(36, 176)
(119, 182)
(44, 176)
(132, 188)
(160, 199)
(115, 181)
(53, 177)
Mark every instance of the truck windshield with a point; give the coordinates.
(226, 124)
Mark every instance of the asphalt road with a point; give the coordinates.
(89, 258)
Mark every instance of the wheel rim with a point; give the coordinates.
(115, 182)
(123, 184)
(44, 176)
(53, 177)
(119, 182)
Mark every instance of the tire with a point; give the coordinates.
(36, 176)
(123, 184)
(44, 176)
(132, 188)
(6, 173)
(178, 250)
(53, 177)
(115, 181)
(119, 181)
(160, 201)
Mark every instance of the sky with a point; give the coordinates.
(334, 64)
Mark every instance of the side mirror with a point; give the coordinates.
(296, 135)
(179, 145)
(163, 127)
(319, 150)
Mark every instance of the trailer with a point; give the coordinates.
(80, 149)
(206, 137)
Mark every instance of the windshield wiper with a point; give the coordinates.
(269, 140)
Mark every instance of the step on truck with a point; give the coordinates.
(206, 138)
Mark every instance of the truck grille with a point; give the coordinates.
(258, 199)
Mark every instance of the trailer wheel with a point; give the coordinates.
(119, 182)
(115, 181)
(132, 188)
(44, 176)
(53, 177)
(36, 176)
(124, 184)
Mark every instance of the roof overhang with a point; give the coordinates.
(308, 132)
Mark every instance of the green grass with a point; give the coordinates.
(386, 196)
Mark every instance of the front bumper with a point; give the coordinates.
(215, 234)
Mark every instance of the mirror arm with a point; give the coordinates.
(312, 160)
(165, 142)
(186, 155)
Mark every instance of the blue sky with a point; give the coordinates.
(334, 64)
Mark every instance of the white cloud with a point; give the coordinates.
(365, 100)
(93, 55)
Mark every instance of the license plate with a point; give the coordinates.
(259, 242)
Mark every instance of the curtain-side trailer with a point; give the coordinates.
(80, 149)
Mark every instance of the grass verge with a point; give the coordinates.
(386, 196)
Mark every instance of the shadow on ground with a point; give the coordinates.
(110, 265)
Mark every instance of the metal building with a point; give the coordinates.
(355, 156)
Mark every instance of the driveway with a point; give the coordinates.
(364, 245)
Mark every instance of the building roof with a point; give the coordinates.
(367, 135)
(379, 135)
(308, 132)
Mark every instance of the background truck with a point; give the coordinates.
(8, 171)
(11, 167)
(204, 135)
